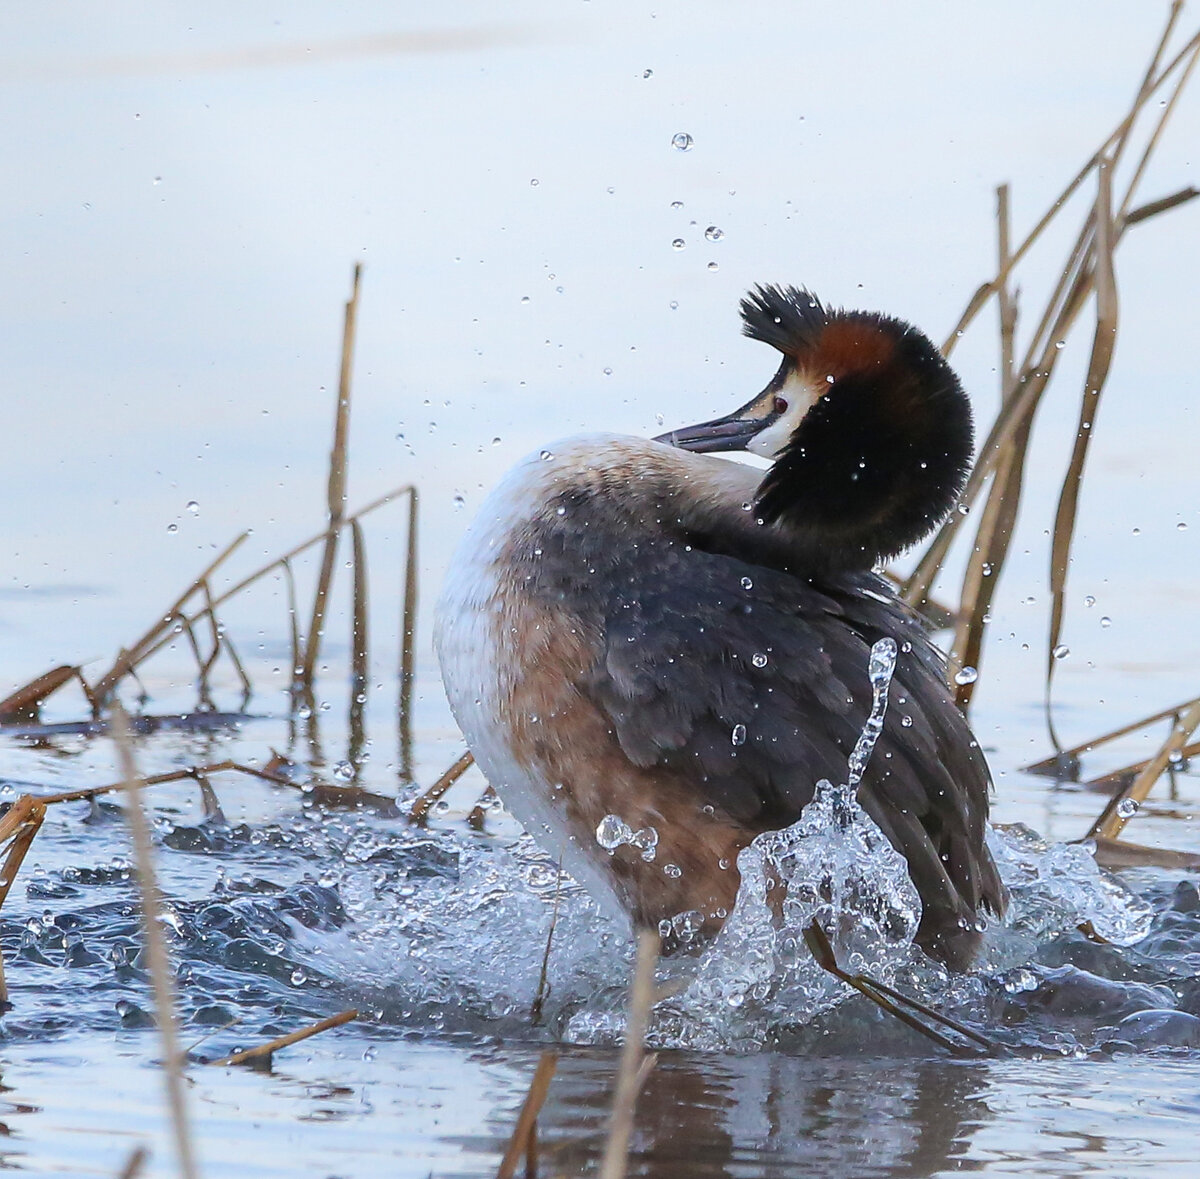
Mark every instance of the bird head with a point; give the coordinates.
(867, 427)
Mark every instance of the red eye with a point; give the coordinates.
(781, 405)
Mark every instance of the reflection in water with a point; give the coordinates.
(772, 1115)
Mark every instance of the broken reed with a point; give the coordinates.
(1000, 468)
(1089, 268)
(194, 613)
(162, 976)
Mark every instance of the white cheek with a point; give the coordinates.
(771, 440)
(801, 395)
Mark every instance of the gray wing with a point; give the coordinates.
(698, 643)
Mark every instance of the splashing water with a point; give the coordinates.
(880, 668)
(1057, 886)
(833, 866)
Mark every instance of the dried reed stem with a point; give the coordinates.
(282, 561)
(1117, 813)
(1000, 511)
(408, 633)
(25, 703)
(523, 1132)
(20, 824)
(264, 1051)
(539, 998)
(421, 806)
(157, 956)
(1103, 345)
(1050, 764)
(1114, 779)
(1150, 85)
(337, 488)
(154, 637)
(1115, 854)
(192, 772)
(1061, 310)
(629, 1075)
(134, 1164)
(360, 658)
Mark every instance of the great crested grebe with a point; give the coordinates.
(634, 629)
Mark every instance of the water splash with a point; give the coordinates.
(1059, 886)
(880, 668)
(833, 866)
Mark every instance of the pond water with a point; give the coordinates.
(194, 188)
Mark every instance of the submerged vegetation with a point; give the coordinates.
(1087, 284)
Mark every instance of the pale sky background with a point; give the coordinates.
(187, 188)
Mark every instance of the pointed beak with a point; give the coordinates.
(733, 432)
(737, 430)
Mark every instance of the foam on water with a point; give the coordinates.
(1057, 886)
(292, 914)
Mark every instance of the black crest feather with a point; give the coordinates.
(788, 318)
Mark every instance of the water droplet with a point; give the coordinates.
(1181, 527)
(759, 659)
(1127, 808)
(1061, 651)
(966, 675)
(534, 183)
(738, 736)
(681, 141)
(608, 372)
(646, 841)
(678, 244)
(299, 978)
(172, 527)
(193, 507)
(747, 583)
(647, 73)
(713, 266)
(612, 832)
(906, 722)
(546, 455)
(343, 770)
(714, 233)
(459, 503)
(495, 441)
(157, 180)
(1137, 532)
(1106, 622)
(674, 871)
(1089, 601)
